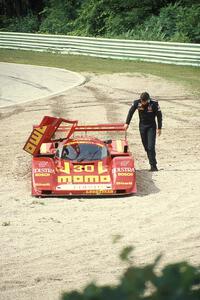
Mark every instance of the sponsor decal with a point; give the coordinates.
(42, 174)
(122, 169)
(124, 183)
(43, 164)
(100, 192)
(84, 187)
(35, 139)
(83, 178)
(124, 163)
(125, 174)
(44, 170)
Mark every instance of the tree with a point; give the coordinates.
(178, 281)
(58, 16)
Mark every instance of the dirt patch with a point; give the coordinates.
(50, 245)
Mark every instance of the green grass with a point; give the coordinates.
(189, 76)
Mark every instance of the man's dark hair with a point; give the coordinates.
(144, 96)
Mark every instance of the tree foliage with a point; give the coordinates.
(175, 23)
(165, 20)
(28, 23)
(178, 281)
(20, 8)
(57, 16)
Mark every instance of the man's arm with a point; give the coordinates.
(159, 118)
(130, 113)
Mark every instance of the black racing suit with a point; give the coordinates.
(147, 125)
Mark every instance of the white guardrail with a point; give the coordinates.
(151, 51)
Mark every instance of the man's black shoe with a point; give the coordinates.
(153, 169)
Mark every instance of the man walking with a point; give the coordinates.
(148, 110)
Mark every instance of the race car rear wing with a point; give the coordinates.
(99, 127)
(45, 131)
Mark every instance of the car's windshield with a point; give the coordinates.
(81, 152)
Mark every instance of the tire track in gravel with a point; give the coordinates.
(107, 102)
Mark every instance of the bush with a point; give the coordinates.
(28, 23)
(110, 17)
(117, 24)
(91, 20)
(174, 23)
(181, 23)
(58, 16)
(179, 281)
(188, 23)
(151, 30)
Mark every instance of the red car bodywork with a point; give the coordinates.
(82, 165)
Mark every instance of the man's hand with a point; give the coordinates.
(159, 132)
(126, 126)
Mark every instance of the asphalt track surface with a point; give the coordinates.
(22, 83)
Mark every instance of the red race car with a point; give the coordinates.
(82, 165)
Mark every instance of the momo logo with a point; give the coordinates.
(84, 179)
(35, 139)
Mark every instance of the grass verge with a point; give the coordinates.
(188, 76)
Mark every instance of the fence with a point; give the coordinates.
(161, 52)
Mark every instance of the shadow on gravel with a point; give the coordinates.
(145, 183)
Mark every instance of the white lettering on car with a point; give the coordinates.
(44, 170)
(116, 170)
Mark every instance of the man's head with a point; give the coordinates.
(144, 97)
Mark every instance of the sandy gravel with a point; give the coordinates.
(50, 245)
